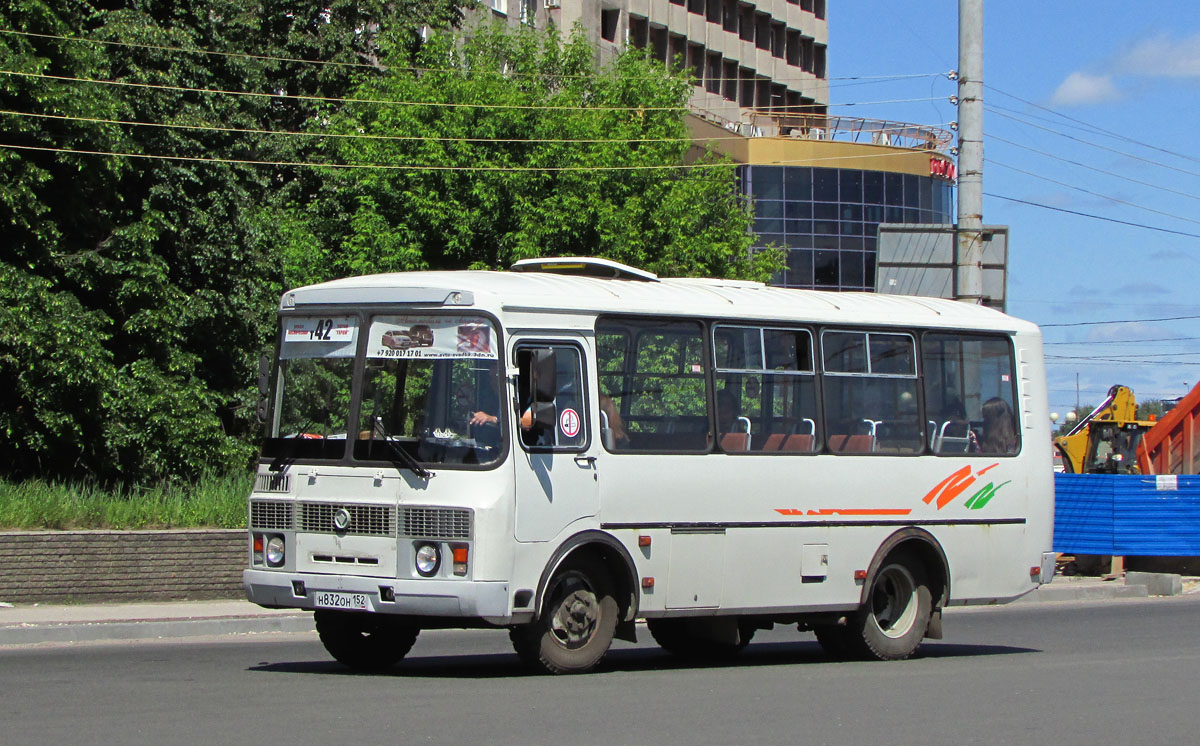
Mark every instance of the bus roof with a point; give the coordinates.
(695, 297)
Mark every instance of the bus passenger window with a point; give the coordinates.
(653, 371)
(870, 393)
(969, 394)
(562, 422)
(766, 389)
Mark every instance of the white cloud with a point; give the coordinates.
(1083, 88)
(1161, 56)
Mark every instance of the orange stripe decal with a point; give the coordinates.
(960, 474)
(861, 511)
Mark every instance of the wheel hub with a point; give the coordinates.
(575, 620)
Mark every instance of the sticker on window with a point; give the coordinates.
(568, 422)
(431, 337)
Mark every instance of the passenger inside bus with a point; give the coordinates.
(999, 428)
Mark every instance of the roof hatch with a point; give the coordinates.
(585, 266)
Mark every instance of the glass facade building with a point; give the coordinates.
(828, 218)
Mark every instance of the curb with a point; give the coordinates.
(1084, 592)
(31, 634)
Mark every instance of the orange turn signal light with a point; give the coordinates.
(860, 574)
(647, 583)
(643, 541)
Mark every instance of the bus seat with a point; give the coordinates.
(606, 433)
(953, 437)
(735, 442)
(841, 443)
(774, 442)
(798, 443)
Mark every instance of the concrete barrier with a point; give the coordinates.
(91, 566)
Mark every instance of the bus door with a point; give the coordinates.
(556, 478)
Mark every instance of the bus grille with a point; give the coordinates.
(365, 520)
(270, 514)
(281, 483)
(436, 523)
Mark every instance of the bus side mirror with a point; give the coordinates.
(264, 386)
(543, 385)
(264, 375)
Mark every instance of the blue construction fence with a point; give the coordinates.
(1127, 514)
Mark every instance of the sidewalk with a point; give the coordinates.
(53, 623)
(38, 623)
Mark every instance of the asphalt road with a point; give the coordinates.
(1119, 672)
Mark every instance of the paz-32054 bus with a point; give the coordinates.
(571, 447)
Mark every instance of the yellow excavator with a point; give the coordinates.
(1107, 440)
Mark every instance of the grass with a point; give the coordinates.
(213, 502)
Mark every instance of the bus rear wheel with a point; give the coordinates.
(365, 642)
(577, 624)
(892, 621)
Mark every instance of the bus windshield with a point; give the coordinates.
(431, 386)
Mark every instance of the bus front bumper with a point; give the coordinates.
(433, 598)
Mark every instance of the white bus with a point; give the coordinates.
(571, 447)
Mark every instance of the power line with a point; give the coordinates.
(1094, 217)
(1090, 192)
(418, 167)
(1189, 195)
(334, 100)
(1120, 321)
(993, 109)
(362, 136)
(441, 104)
(1101, 130)
(1125, 341)
(857, 79)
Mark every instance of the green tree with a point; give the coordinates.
(136, 291)
(510, 143)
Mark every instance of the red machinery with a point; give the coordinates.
(1171, 446)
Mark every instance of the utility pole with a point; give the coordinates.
(970, 151)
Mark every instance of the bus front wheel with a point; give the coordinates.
(365, 642)
(576, 625)
(892, 621)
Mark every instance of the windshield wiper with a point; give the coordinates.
(403, 457)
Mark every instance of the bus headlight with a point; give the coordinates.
(275, 551)
(427, 560)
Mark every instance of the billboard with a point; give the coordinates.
(919, 259)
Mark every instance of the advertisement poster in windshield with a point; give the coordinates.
(432, 337)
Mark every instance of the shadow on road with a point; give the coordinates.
(628, 660)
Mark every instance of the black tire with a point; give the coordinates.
(577, 622)
(365, 642)
(674, 636)
(892, 622)
(835, 640)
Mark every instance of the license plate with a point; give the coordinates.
(334, 600)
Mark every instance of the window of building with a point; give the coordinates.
(729, 80)
(500, 6)
(792, 48)
(712, 74)
(746, 87)
(778, 40)
(818, 66)
(729, 16)
(746, 22)
(712, 11)
(610, 18)
(695, 63)
(639, 32)
(696, 6)
(762, 31)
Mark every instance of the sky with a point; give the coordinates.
(1090, 107)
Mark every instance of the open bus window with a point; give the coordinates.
(311, 402)
(560, 422)
(431, 387)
